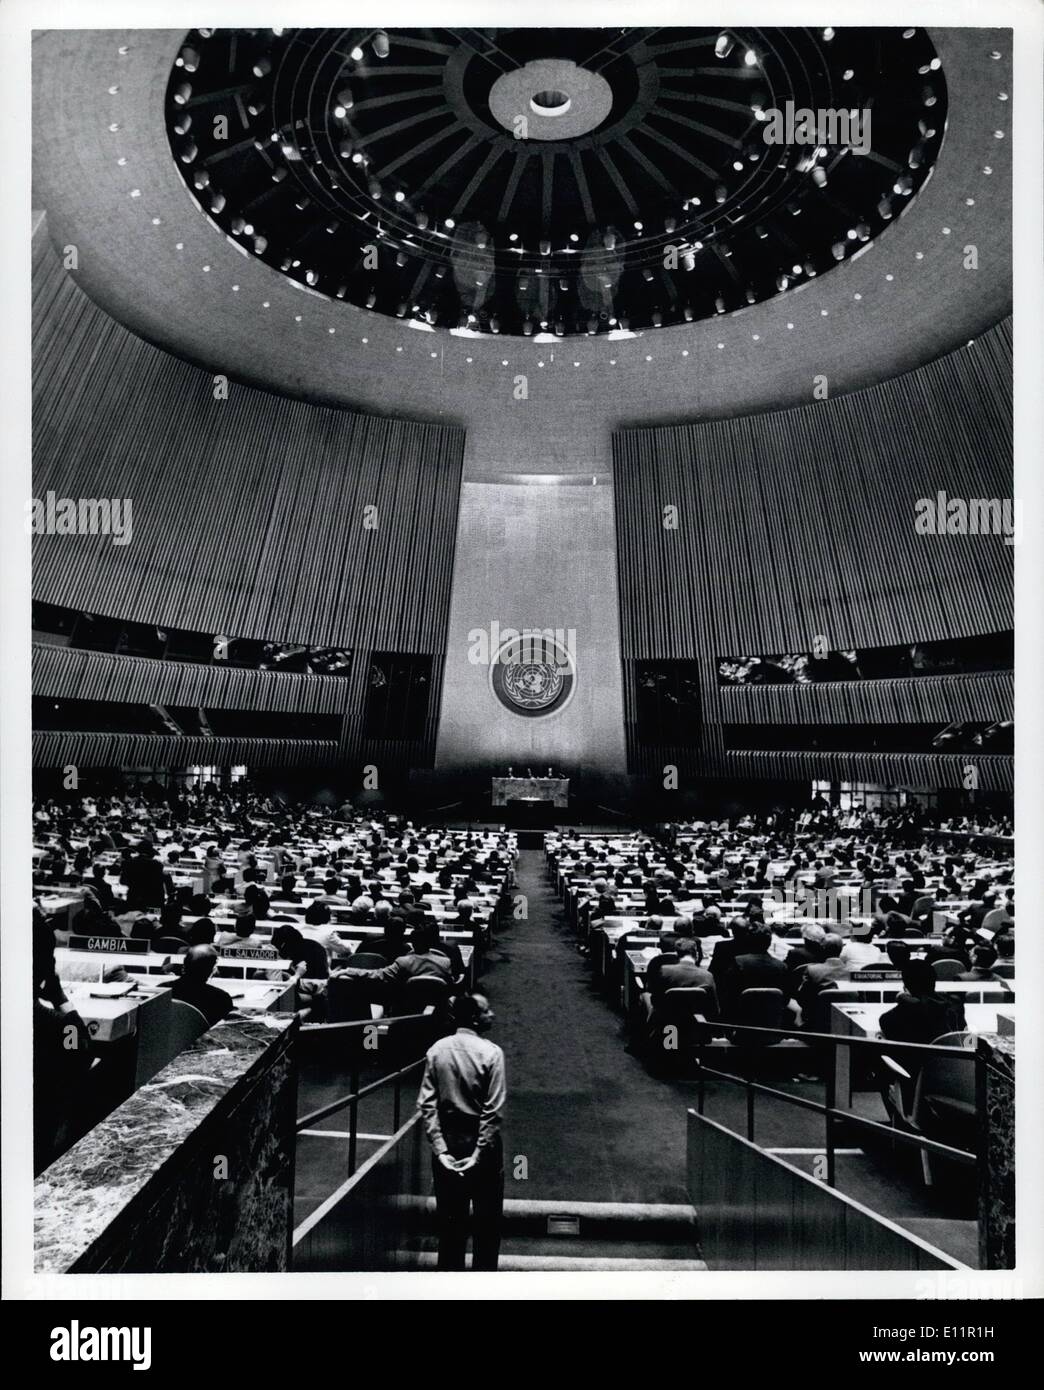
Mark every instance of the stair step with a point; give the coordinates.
(524, 1264)
(661, 1222)
(573, 1248)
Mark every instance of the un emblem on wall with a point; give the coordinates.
(533, 674)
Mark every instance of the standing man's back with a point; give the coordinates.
(461, 1099)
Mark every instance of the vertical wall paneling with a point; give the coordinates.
(799, 525)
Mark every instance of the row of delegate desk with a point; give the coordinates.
(867, 991)
(137, 1017)
(62, 904)
(130, 1019)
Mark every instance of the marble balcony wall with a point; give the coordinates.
(193, 1174)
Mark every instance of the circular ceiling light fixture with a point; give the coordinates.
(551, 103)
(550, 99)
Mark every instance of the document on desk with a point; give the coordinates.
(118, 989)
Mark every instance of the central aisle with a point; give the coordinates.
(587, 1119)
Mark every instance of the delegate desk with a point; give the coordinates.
(864, 1021)
(552, 789)
(141, 1016)
(151, 969)
(61, 908)
(255, 996)
(857, 990)
(634, 966)
(875, 985)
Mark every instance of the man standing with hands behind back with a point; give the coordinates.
(461, 1098)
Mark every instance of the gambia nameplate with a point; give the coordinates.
(111, 944)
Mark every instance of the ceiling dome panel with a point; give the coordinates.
(574, 181)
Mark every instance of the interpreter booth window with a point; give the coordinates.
(871, 796)
(397, 696)
(667, 702)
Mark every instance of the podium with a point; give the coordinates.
(552, 790)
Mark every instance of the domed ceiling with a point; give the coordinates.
(540, 181)
(156, 254)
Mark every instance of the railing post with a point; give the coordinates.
(750, 1111)
(701, 1089)
(831, 1102)
(353, 1120)
(396, 1105)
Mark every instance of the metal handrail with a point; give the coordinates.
(313, 1028)
(843, 1040)
(357, 1092)
(325, 1111)
(831, 1113)
(829, 1110)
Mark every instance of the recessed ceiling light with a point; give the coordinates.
(750, 58)
(889, 277)
(450, 223)
(357, 54)
(720, 346)
(265, 304)
(685, 352)
(1002, 96)
(857, 296)
(400, 196)
(998, 135)
(825, 313)
(789, 325)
